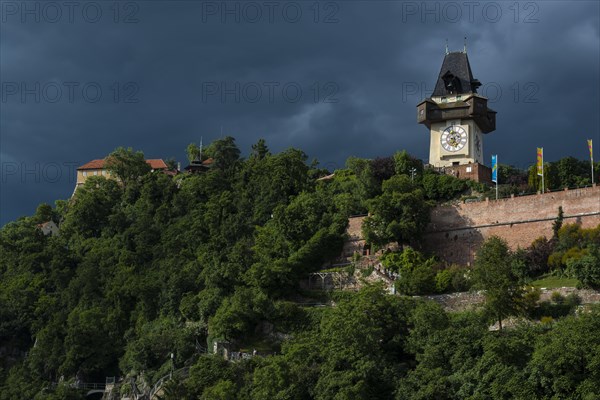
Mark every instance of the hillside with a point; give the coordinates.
(149, 273)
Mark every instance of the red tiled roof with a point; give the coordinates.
(94, 164)
(208, 161)
(157, 163)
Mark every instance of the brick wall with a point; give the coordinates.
(354, 242)
(457, 231)
(475, 172)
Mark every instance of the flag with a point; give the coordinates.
(540, 161)
(495, 168)
(590, 146)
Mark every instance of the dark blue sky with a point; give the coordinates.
(333, 78)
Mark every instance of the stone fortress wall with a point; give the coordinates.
(456, 231)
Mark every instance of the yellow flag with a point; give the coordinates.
(590, 146)
(540, 161)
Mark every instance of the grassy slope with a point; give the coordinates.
(550, 282)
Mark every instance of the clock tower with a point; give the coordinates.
(457, 118)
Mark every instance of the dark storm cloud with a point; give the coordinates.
(172, 71)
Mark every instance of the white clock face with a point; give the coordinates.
(454, 138)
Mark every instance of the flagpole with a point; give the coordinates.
(592, 162)
(540, 165)
(495, 172)
(543, 189)
(591, 158)
(497, 176)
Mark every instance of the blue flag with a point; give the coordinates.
(495, 168)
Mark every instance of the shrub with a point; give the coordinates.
(367, 271)
(557, 298)
(537, 255)
(586, 268)
(531, 297)
(443, 280)
(558, 306)
(452, 279)
(417, 275)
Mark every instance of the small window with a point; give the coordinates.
(84, 173)
(95, 173)
(455, 163)
(468, 169)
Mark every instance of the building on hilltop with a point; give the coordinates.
(457, 118)
(197, 166)
(48, 228)
(98, 168)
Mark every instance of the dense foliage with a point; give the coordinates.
(149, 268)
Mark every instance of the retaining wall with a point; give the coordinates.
(456, 231)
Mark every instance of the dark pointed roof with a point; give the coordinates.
(196, 166)
(455, 76)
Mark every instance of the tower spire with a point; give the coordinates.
(200, 155)
(446, 45)
(465, 46)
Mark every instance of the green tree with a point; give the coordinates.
(193, 152)
(557, 224)
(512, 176)
(441, 186)
(153, 343)
(551, 180)
(572, 172)
(537, 255)
(127, 165)
(399, 214)
(238, 314)
(417, 275)
(405, 163)
(382, 168)
(493, 273)
(92, 207)
(565, 361)
(446, 349)
(362, 340)
(90, 346)
(260, 149)
(367, 186)
(205, 373)
(225, 153)
(274, 380)
(44, 213)
(586, 269)
(222, 390)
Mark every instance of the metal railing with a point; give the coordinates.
(180, 373)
